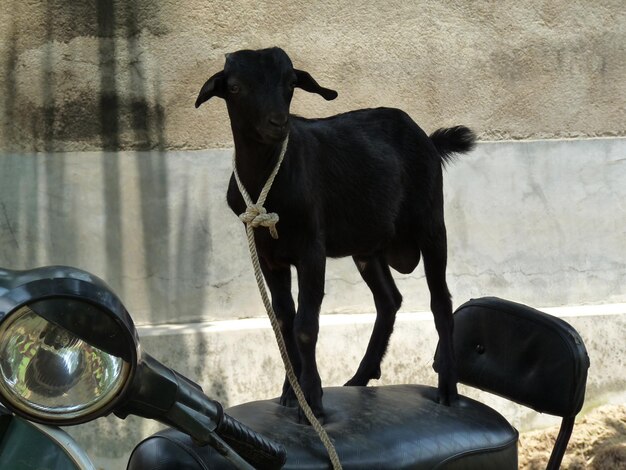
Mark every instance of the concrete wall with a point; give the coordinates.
(106, 165)
(541, 222)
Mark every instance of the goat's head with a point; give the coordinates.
(257, 87)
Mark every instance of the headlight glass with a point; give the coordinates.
(47, 372)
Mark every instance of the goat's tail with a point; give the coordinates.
(453, 140)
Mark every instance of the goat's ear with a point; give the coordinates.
(308, 83)
(214, 86)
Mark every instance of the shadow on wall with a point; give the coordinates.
(42, 209)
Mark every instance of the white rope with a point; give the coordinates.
(256, 215)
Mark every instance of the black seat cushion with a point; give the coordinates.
(390, 427)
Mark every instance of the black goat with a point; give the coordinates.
(366, 184)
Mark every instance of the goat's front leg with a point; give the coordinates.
(311, 270)
(279, 283)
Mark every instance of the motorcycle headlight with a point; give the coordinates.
(68, 347)
(48, 372)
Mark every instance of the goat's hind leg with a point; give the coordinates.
(376, 274)
(434, 254)
(279, 283)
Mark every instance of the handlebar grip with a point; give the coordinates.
(258, 450)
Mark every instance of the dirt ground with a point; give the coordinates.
(598, 443)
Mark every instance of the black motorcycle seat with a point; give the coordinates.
(387, 427)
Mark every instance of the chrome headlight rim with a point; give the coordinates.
(58, 282)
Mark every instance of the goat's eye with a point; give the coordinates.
(233, 89)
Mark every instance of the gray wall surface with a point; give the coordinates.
(542, 222)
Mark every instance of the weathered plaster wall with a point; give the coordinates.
(124, 74)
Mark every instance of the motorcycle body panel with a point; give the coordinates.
(29, 446)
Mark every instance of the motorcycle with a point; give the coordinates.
(69, 354)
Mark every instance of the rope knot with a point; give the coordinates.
(257, 216)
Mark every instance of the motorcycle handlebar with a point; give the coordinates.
(163, 394)
(252, 446)
(249, 444)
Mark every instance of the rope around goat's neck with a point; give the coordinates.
(256, 215)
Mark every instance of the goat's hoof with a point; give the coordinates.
(356, 382)
(447, 395)
(362, 379)
(313, 397)
(288, 399)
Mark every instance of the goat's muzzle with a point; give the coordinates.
(272, 134)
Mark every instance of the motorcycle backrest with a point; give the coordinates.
(522, 354)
